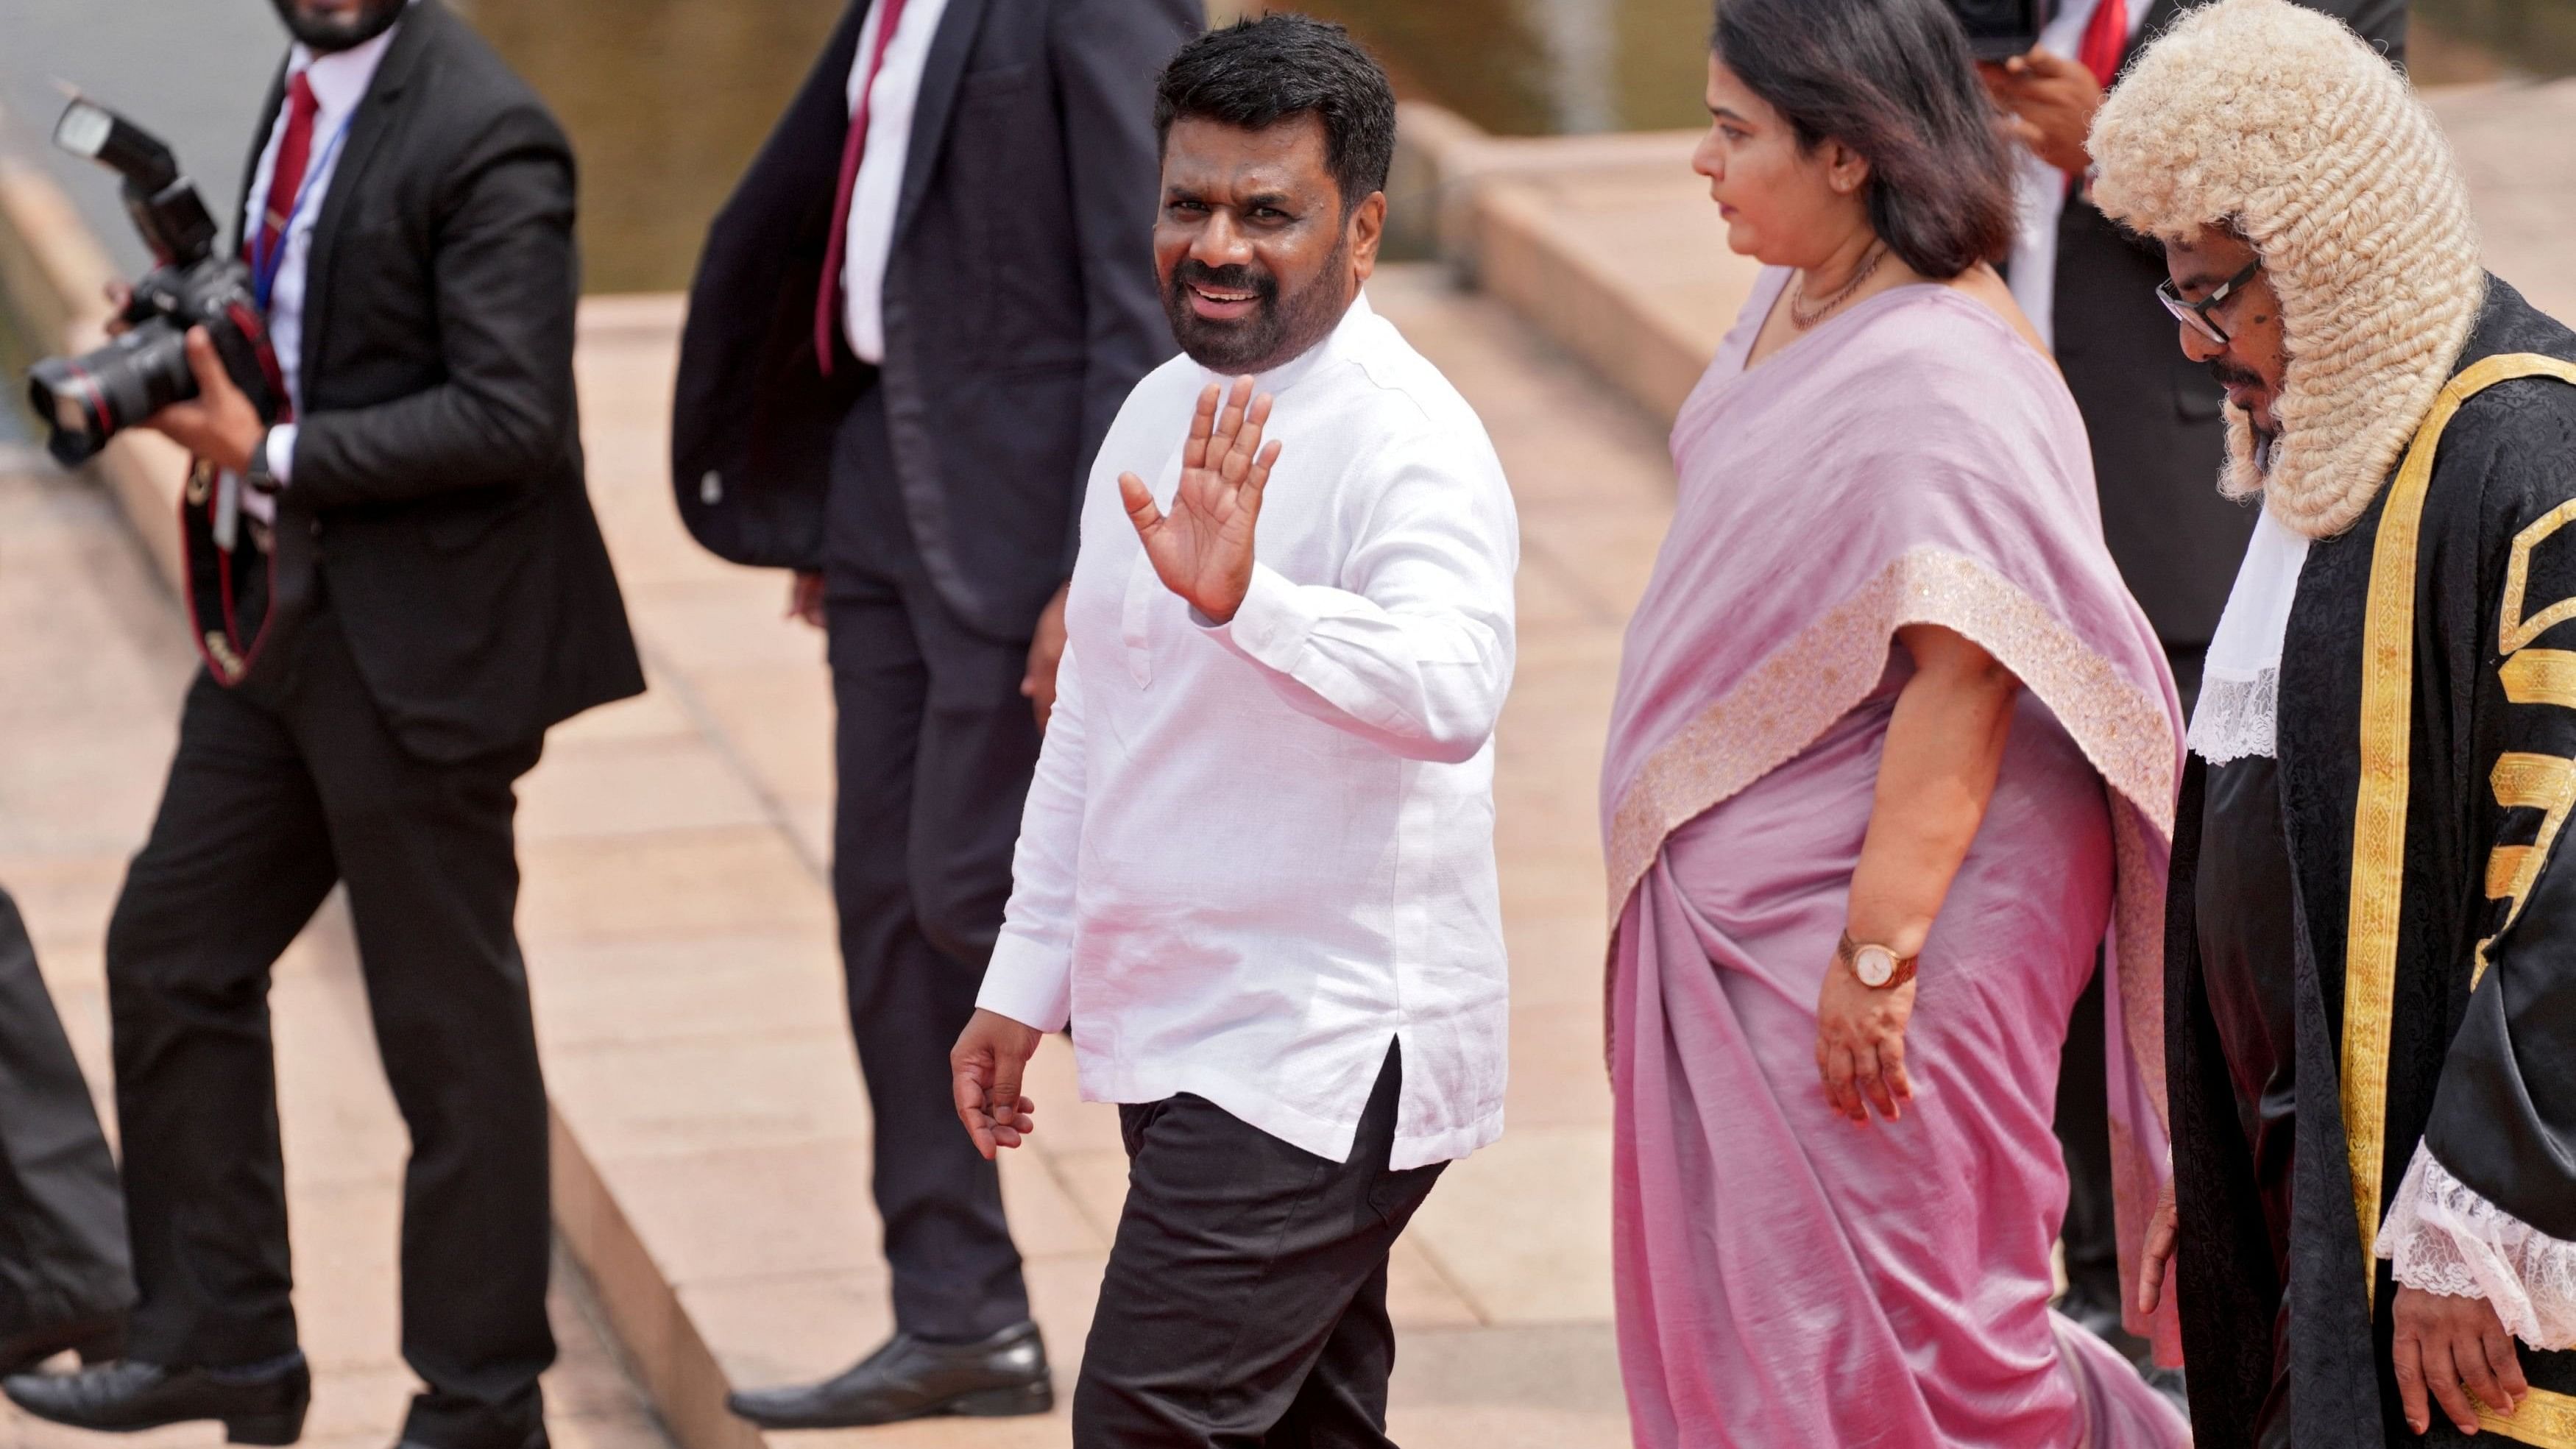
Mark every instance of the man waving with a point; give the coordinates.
(1256, 872)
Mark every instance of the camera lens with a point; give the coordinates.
(89, 398)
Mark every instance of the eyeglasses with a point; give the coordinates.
(2195, 315)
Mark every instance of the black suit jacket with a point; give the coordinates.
(2153, 414)
(1020, 302)
(438, 457)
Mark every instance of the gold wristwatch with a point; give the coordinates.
(1875, 967)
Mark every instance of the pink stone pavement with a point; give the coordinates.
(89, 694)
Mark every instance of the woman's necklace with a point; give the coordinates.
(1802, 317)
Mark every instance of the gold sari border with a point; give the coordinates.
(2379, 806)
(1801, 688)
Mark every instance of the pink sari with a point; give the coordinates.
(1783, 1276)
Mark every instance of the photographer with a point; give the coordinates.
(2153, 417)
(411, 225)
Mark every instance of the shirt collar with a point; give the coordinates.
(1336, 343)
(340, 79)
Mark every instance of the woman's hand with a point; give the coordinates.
(1936, 771)
(1860, 1044)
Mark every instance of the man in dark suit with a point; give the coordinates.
(414, 252)
(64, 1283)
(2158, 443)
(911, 327)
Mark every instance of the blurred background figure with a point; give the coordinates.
(910, 329)
(409, 221)
(64, 1283)
(2153, 416)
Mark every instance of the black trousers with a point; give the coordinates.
(2090, 1237)
(62, 1219)
(1245, 1302)
(276, 795)
(935, 749)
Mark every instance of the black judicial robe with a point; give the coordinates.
(2427, 758)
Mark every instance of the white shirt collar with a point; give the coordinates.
(340, 79)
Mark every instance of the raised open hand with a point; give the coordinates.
(1202, 549)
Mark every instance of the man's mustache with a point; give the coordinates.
(1231, 278)
(2230, 375)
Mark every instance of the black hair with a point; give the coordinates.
(1254, 74)
(1893, 80)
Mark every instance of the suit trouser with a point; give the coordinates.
(276, 794)
(1245, 1301)
(935, 750)
(62, 1219)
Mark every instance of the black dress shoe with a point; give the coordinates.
(126, 1395)
(536, 1440)
(96, 1340)
(912, 1378)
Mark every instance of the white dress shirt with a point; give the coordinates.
(339, 82)
(2041, 188)
(878, 189)
(1256, 853)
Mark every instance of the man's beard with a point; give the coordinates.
(325, 34)
(2267, 438)
(1278, 328)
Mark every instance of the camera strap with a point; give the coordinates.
(265, 262)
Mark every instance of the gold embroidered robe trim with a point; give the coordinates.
(2540, 676)
(2379, 807)
(2545, 1419)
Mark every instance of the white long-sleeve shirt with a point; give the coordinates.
(878, 189)
(1254, 854)
(2040, 189)
(340, 81)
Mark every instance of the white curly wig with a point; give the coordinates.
(2283, 124)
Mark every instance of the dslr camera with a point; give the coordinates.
(2002, 29)
(87, 399)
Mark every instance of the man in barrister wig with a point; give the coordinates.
(2371, 998)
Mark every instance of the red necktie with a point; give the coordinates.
(287, 177)
(827, 298)
(2106, 39)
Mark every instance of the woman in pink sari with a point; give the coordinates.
(1893, 758)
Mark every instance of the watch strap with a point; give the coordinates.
(258, 474)
(1847, 951)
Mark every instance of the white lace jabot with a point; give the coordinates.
(2241, 679)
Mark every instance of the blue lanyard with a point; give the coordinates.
(264, 264)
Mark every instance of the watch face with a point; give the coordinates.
(1874, 965)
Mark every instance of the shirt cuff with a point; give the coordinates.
(1269, 627)
(1029, 983)
(281, 453)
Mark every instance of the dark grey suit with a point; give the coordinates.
(939, 492)
(62, 1222)
(464, 604)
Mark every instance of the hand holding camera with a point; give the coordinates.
(220, 424)
(189, 333)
